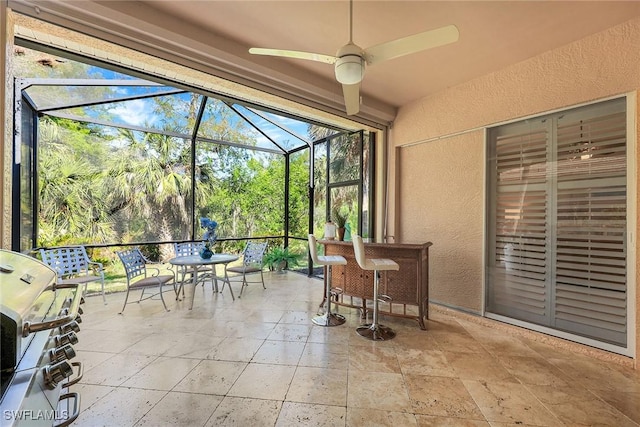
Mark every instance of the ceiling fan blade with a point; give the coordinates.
(294, 54)
(351, 98)
(411, 44)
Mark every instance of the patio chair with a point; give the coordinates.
(251, 263)
(72, 265)
(138, 277)
(204, 272)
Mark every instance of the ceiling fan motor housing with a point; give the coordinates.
(350, 64)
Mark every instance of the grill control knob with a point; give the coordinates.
(70, 327)
(53, 374)
(59, 354)
(65, 311)
(68, 338)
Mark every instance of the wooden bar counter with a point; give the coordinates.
(407, 287)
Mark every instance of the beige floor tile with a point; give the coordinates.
(358, 417)
(90, 394)
(377, 390)
(625, 402)
(279, 352)
(578, 406)
(194, 346)
(310, 415)
(262, 381)
(518, 424)
(325, 355)
(155, 344)
(162, 374)
(326, 386)
(181, 409)
(235, 349)
(424, 362)
(500, 345)
(287, 332)
(441, 396)
(514, 379)
(442, 322)
(534, 370)
(331, 334)
(122, 407)
(373, 358)
(117, 369)
(240, 329)
(483, 367)
(457, 342)
(510, 402)
(268, 316)
(91, 359)
(297, 317)
(416, 339)
(211, 377)
(183, 323)
(596, 375)
(244, 412)
(431, 421)
(110, 342)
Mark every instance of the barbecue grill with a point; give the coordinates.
(39, 322)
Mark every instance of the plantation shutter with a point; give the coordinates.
(557, 222)
(590, 244)
(519, 285)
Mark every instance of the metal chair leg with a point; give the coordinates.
(374, 330)
(329, 318)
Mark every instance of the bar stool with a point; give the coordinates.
(374, 330)
(328, 318)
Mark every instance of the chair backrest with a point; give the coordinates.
(253, 253)
(358, 249)
(134, 263)
(313, 249)
(66, 261)
(188, 248)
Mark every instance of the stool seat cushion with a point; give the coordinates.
(380, 264)
(331, 260)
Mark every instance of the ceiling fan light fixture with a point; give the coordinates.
(350, 69)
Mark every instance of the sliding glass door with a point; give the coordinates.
(557, 229)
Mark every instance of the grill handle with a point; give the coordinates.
(76, 409)
(76, 379)
(29, 328)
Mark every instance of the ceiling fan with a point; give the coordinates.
(350, 60)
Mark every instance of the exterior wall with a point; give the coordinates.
(454, 224)
(438, 169)
(6, 119)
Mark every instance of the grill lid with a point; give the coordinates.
(23, 280)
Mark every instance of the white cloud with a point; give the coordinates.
(135, 112)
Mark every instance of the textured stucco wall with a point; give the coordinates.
(439, 214)
(637, 241)
(438, 177)
(6, 118)
(598, 66)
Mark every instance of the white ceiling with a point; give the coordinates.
(493, 35)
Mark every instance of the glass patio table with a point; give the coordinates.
(195, 261)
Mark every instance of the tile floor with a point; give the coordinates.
(259, 361)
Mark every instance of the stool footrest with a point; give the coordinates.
(384, 298)
(337, 291)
